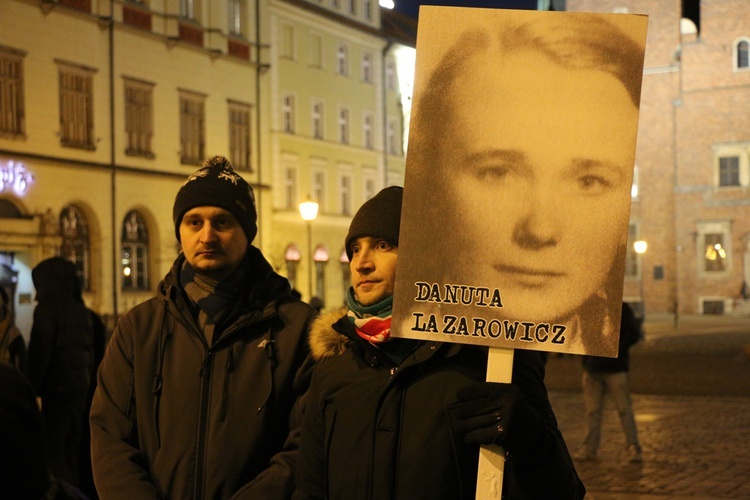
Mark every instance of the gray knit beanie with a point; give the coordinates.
(216, 184)
(379, 217)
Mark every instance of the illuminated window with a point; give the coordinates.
(75, 242)
(134, 244)
(290, 188)
(237, 13)
(319, 188)
(714, 253)
(346, 195)
(320, 256)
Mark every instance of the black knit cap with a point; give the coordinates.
(216, 184)
(379, 217)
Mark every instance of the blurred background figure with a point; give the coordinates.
(61, 361)
(12, 345)
(602, 375)
(23, 464)
(317, 303)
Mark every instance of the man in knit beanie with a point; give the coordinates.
(389, 417)
(198, 393)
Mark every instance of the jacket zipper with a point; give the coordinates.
(200, 450)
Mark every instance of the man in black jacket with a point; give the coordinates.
(199, 390)
(403, 419)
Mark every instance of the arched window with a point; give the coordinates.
(742, 57)
(74, 230)
(291, 257)
(134, 244)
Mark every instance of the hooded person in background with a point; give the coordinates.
(403, 419)
(198, 393)
(60, 361)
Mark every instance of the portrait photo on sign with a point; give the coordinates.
(518, 178)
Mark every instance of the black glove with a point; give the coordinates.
(496, 413)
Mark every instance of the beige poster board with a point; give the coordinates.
(518, 178)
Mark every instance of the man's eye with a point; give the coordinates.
(384, 245)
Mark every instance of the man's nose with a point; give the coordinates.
(364, 260)
(208, 233)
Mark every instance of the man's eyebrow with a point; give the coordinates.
(510, 155)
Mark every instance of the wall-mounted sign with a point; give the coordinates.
(15, 177)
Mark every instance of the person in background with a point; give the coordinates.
(60, 361)
(12, 345)
(24, 471)
(199, 392)
(401, 418)
(611, 375)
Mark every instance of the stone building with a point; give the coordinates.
(691, 202)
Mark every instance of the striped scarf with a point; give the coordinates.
(372, 323)
(214, 299)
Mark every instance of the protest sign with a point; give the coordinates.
(517, 190)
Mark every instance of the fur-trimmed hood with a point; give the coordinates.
(324, 340)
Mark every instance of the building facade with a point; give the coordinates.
(106, 108)
(691, 202)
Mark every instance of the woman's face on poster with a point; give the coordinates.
(541, 163)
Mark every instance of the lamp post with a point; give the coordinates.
(640, 248)
(309, 212)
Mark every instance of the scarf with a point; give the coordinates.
(214, 299)
(372, 323)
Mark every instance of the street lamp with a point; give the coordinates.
(309, 212)
(640, 248)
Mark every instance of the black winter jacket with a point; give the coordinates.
(376, 430)
(175, 418)
(60, 355)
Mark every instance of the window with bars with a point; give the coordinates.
(287, 110)
(316, 50)
(319, 189)
(135, 253)
(239, 135)
(342, 60)
(344, 125)
(287, 41)
(729, 171)
(290, 188)
(74, 230)
(192, 128)
(367, 130)
(12, 118)
(76, 107)
(367, 67)
(139, 118)
(317, 119)
(346, 195)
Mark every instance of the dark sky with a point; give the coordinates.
(411, 7)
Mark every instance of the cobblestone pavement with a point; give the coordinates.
(694, 428)
(693, 447)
